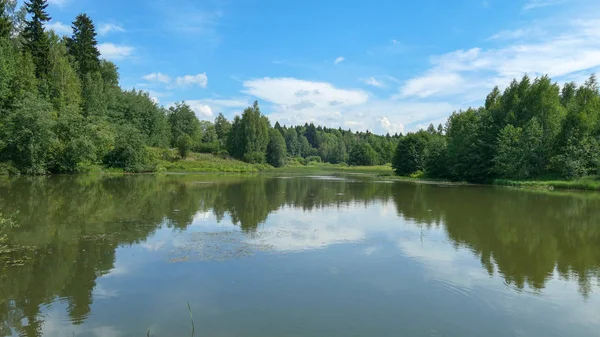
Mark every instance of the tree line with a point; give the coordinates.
(62, 111)
(533, 129)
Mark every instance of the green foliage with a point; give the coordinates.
(82, 45)
(7, 8)
(64, 84)
(222, 128)
(362, 154)
(183, 120)
(532, 129)
(184, 145)
(276, 149)
(129, 152)
(28, 135)
(411, 153)
(36, 39)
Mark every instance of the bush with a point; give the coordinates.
(184, 145)
(223, 154)
(362, 155)
(254, 158)
(212, 147)
(130, 153)
(313, 159)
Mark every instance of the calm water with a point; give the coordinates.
(297, 256)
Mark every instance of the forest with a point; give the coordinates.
(62, 110)
(532, 130)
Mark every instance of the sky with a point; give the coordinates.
(379, 65)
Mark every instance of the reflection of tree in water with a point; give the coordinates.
(75, 225)
(523, 236)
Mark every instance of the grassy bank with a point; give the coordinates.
(208, 163)
(317, 168)
(591, 183)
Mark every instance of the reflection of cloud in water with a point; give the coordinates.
(298, 238)
(369, 250)
(55, 325)
(101, 292)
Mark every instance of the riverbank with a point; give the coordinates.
(208, 163)
(591, 183)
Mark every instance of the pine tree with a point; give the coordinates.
(5, 20)
(36, 40)
(82, 45)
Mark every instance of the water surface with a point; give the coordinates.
(296, 256)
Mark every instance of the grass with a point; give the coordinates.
(591, 183)
(315, 168)
(208, 163)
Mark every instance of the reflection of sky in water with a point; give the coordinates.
(328, 272)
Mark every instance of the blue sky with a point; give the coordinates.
(381, 65)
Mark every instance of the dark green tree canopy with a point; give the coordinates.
(82, 45)
(36, 39)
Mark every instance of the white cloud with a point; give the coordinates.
(372, 81)
(157, 77)
(533, 4)
(293, 101)
(339, 60)
(106, 28)
(390, 127)
(59, 28)
(470, 74)
(58, 2)
(112, 51)
(209, 108)
(188, 80)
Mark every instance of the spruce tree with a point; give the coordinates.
(36, 40)
(5, 21)
(82, 45)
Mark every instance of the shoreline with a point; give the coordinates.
(209, 164)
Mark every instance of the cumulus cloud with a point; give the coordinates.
(207, 109)
(157, 77)
(295, 101)
(200, 80)
(390, 127)
(112, 51)
(373, 82)
(477, 70)
(339, 60)
(107, 28)
(59, 28)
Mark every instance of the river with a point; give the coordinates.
(339, 255)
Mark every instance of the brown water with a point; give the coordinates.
(296, 256)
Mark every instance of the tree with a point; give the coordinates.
(362, 154)
(7, 7)
(183, 120)
(28, 131)
(222, 128)
(276, 148)
(436, 158)
(63, 82)
(129, 152)
(82, 45)
(36, 39)
(304, 147)
(411, 153)
(184, 144)
(255, 134)
(235, 142)
(291, 142)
